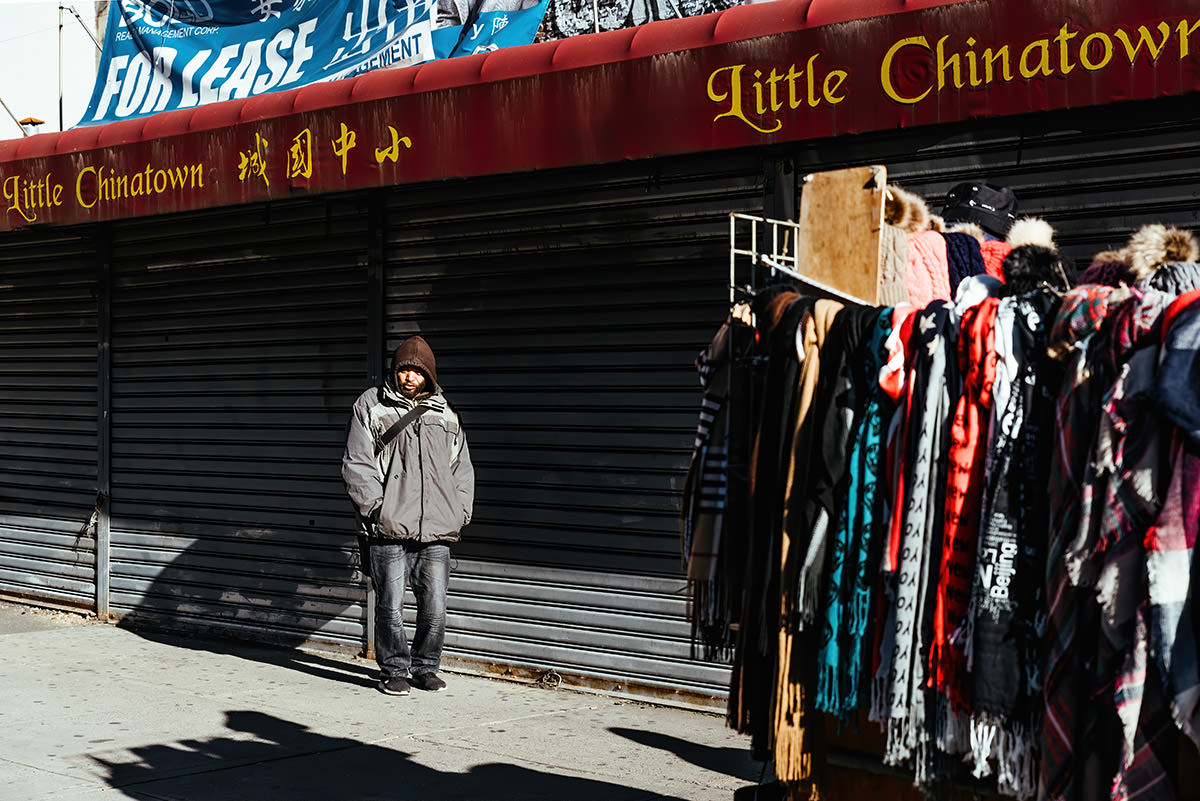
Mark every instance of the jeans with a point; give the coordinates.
(426, 568)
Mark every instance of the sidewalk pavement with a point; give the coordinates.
(92, 711)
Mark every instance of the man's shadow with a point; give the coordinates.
(189, 604)
(271, 759)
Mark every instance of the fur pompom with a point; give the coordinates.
(1031, 231)
(1156, 244)
(903, 209)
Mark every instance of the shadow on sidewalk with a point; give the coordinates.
(730, 761)
(321, 667)
(266, 758)
(248, 594)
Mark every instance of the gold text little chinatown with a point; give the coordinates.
(759, 94)
(94, 185)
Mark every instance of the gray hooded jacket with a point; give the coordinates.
(419, 487)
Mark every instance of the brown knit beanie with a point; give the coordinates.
(415, 352)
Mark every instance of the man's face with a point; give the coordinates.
(410, 382)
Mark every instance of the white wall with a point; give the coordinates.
(29, 62)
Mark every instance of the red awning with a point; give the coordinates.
(765, 73)
(590, 50)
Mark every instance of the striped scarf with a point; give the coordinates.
(706, 495)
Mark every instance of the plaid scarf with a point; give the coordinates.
(1119, 497)
(1111, 506)
(1067, 717)
(1173, 572)
(1171, 569)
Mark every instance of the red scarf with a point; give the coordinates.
(964, 494)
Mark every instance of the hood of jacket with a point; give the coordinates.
(415, 352)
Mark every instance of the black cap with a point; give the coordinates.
(993, 208)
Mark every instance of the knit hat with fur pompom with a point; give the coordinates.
(1152, 246)
(1034, 259)
(1149, 249)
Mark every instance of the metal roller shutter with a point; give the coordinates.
(565, 310)
(237, 349)
(48, 404)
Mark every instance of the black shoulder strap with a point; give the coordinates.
(398, 426)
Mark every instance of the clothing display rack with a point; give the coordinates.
(826, 510)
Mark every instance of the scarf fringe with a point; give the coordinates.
(792, 751)
(711, 638)
(1009, 747)
(898, 749)
(1016, 763)
(984, 731)
(921, 774)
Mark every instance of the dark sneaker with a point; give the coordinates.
(429, 682)
(393, 686)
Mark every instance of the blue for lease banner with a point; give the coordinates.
(161, 55)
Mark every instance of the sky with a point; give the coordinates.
(29, 77)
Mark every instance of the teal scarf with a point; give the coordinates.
(851, 572)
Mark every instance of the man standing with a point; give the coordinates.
(408, 471)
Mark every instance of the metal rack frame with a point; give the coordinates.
(780, 257)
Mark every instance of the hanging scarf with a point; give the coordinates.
(836, 407)
(851, 577)
(928, 437)
(707, 491)
(1173, 572)
(795, 737)
(894, 381)
(1006, 597)
(1064, 730)
(1119, 496)
(778, 315)
(964, 492)
(1177, 383)
(1112, 507)
(1145, 609)
(1171, 569)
